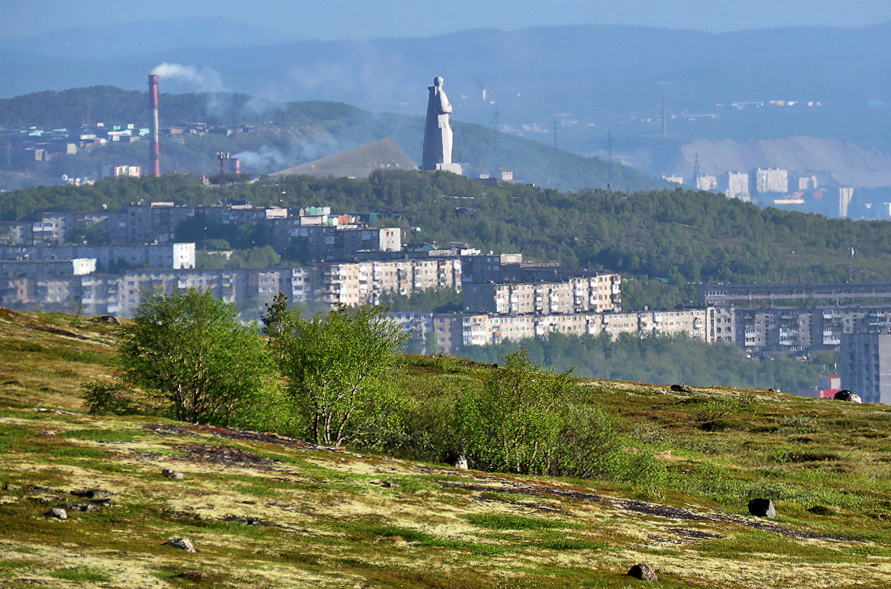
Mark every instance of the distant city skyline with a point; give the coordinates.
(342, 19)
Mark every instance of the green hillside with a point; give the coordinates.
(271, 511)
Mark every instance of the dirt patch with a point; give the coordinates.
(644, 508)
(220, 455)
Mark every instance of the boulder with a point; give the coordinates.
(762, 508)
(172, 474)
(846, 395)
(57, 512)
(182, 544)
(681, 388)
(644, 572)
(461, 462)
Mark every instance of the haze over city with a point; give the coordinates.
(351, 19)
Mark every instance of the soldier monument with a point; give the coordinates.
(437, 132)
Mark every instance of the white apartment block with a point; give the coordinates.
(772, 180)
(736, 185)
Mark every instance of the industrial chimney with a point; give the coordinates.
(154, 149)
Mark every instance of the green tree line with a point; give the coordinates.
(664, 359)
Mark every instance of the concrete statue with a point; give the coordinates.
(437, 132)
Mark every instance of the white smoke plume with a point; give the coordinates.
(204, 80)
(267, 159)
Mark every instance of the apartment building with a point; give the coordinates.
(866, 366)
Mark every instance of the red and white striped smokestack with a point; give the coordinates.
(154, 149)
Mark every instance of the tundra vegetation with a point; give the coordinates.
(649, 474)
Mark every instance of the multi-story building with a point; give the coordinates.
(736, 185)
(175, 256)
(597, 294)
(771, 180)
(455, 331)
(866, 366)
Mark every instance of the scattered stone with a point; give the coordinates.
(681, 388)
(107, 319)
(389, 484)
(846, 395)
(92, 493)
(762, 508)
(193, 575)
(774, 391)
(172, 474)
(102, 502)
(461, 462)
(57, 512)
(49, 433)
(644, 572)
(182, 544)
(87, 507)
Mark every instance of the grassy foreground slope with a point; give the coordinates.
(267, 511)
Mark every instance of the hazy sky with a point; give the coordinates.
(332, 19)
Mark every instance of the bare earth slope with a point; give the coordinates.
(832, 160)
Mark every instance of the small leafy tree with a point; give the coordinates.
(336, 368)
(514, 422)
(190, 351)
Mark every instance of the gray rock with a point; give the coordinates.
(681, 388)
(762, 508)
(57, 512)
(846, 395)
(461, 462)
(644, 572)
(172, 474)
(182, 544)
(88, 507)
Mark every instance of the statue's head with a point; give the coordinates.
(437, 81)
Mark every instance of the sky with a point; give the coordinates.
(342, 19)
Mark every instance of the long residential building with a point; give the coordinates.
(452, 332)
(66, 285)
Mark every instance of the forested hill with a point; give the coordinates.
(78, 106)
(283, 135)
(678, 237)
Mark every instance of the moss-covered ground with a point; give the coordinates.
(267, 511)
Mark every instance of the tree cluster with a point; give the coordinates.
(335, 379)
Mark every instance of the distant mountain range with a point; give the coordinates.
(589, 89)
